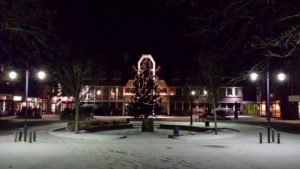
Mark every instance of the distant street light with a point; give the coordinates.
(204, 92)
(41, 75)
(281, 77)
(253, 76)
(13, 75)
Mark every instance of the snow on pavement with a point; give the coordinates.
(131, 149)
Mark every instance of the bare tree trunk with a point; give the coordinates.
(215, 116)
(77, 115)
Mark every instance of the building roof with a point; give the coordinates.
(161, 84)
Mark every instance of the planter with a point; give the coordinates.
(109, 127)
(181, 127)
(147, 125)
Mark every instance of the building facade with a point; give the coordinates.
(175, 100)
(113, 99)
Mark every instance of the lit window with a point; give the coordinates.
(204, 92)
(17, 98)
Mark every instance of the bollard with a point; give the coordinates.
(206, 123)
(273, 135)
(269, 133)
(34, 136)
(20, 135)
(260, 137)
(176, 131)
(278, 138)
(30, 137)
(25, 135)
(16, 136)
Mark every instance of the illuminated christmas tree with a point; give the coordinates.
(145, 89)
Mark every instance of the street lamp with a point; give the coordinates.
(41, 75)
(13, 75)
(193, 93)
(281, 77)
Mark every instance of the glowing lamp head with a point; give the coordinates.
(12, 75)
(41, 75)
(253, 76)
(281, 76)
(193, 92)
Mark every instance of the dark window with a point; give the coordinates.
(229, 92)
(237, 91)
(222, 92)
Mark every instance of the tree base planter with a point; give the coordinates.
(109, 127)
(147, 125)
(182, 127)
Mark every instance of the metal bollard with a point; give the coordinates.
(20, 136)
(34, 136)
(273, 135)
(206, 123)
(16, 136)
(25, 136)
(278, 138)
(30, 137)
(260, 137)
(176, 131)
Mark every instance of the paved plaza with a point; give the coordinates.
(236, 146)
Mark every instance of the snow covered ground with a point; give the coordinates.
(131, 149)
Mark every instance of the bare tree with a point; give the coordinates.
(74, 74)
(26, 30)
(213, 86)
(245, 30)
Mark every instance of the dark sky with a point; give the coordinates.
(128, 28)
(133, 27)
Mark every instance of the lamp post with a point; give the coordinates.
(193, 93)
(281, 77)
(26, 104)
(13, 75)
(268, 105)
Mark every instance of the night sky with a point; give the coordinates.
(127, 29)
(123, 30)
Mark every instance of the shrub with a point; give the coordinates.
(87, 124)
(95, 123)
(221, 113)
(69, 114)
(83, 125)
(33, 113)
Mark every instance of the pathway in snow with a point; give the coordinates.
(111, 149)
